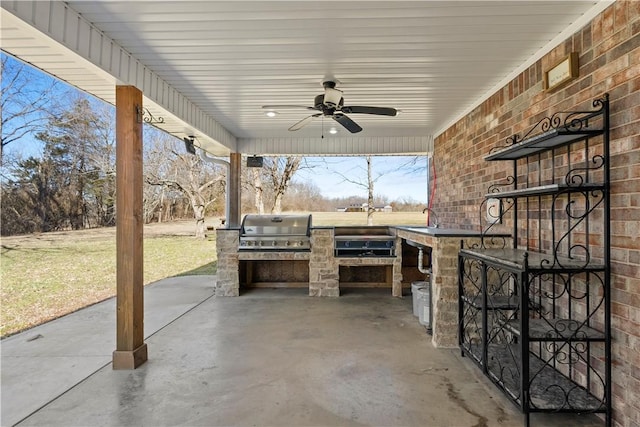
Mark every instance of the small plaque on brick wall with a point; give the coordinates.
(562, 73)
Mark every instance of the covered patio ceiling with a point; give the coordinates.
(208, 67)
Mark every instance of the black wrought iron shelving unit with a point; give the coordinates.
(536, 317)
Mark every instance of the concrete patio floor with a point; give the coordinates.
(269, 357)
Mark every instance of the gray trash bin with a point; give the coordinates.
(424, 307)
(414, 294)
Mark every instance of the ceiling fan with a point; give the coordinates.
(331, 104)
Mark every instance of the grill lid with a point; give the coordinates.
(276, 225)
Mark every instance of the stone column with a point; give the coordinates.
(228, 275)
(396, 285)
(444, 291)
(323, 267)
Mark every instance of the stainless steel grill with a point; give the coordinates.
(275, 232)
(364, 242)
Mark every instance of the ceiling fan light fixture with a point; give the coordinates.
(271, 113)
(332, 97)
(333, 131)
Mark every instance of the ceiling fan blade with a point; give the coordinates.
(287, 107)
(302, 123)
(381, 111)
(345, 121)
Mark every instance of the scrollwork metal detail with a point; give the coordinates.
(144, 115)
(576, 215)
(496, 187)
(537, 318)
(567, 121)
(577, 176)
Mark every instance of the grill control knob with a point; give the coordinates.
(274, 243)
(287, 243)
(300, 243)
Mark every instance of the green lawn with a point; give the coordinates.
(47, 276)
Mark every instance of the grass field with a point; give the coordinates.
(45, 276)
(48, 275)
(360, 218)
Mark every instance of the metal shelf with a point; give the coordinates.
(545, 141)
(556, 330)
(521, 260)
(504, 370)
(496, 302)
(557, 292)
(544, 190)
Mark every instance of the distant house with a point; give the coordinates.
(364, 207)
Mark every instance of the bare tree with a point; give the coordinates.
(26, 101)
(199, 182)
(71, 183)
(370, 182)
(80, 141)
(305, 196)
(280, 171)
(266, 187)
(367, 183)
(258, 190)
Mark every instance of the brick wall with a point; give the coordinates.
(609, 56)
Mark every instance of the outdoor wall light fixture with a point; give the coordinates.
(254, 162)
(188, 144)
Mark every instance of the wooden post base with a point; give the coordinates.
(130, 359)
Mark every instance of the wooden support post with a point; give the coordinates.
(131, 351)
(234, 188)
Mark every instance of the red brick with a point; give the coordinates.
(620, 310)
(633, 9)
(611, 68)
(608, 23)
(620, 14)
(609, 62)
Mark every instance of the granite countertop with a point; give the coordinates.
(447, 232)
